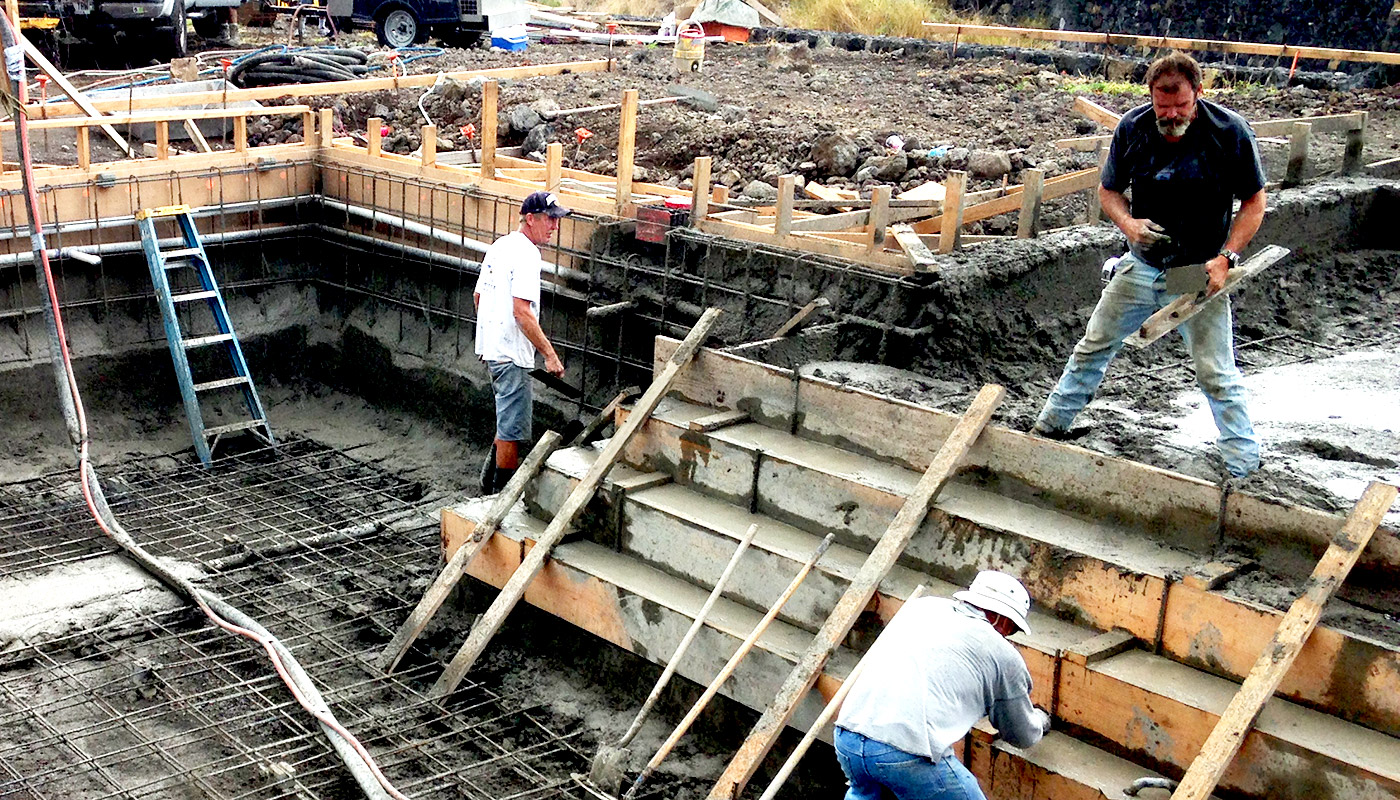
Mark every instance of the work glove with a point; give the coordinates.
(1044, 722)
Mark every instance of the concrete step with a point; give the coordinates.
(1142, 706)
(1100, 574)
(646, 611)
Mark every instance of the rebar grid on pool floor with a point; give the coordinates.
(162, 704)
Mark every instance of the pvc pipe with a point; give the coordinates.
(89, 252)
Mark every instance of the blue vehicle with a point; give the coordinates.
(403, 23)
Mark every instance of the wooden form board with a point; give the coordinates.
(149, 117)
(1328, 123)
(321, 89)
(900, 431)
(973, 33)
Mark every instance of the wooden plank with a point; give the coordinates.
(717, 420)
(1277, 658)
(857, 596)
(1096, 112)
(323, 89)
(952, 218)
(84, 146)
(782, 223)
(820, 192)
(152, 117)
(80, 100)
(800, 317)
(1095, 209)
(553, 163)
(626, 149)
(1326, 123)
(972, 33)
(886, 262)
(913, 246)
(325, 127)
(490, 99)
(879, 218)
(490, 622)
(764, 11)
(1298, 142)
(196, 137)
(700, 191)
(1055, 187)
(240, 134)
(931, 190)
(833, 222)
(1187, 306)
(457, 565)
(1029, 219)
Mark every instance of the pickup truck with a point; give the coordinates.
(162, 22)
(403, 23)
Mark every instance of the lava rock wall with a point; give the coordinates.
(1352, 24)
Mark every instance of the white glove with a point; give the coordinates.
(1044, 722)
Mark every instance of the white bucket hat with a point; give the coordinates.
(1001, 594)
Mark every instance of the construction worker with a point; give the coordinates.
(940, 665)
(508, 332)
(1186, 161)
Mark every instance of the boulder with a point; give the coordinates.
(886, 169)
(546, 107)
(758, 190)
(835, 154)
(536, 139)
(522, 119)
(988, 163)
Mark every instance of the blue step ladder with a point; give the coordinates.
(188, 257)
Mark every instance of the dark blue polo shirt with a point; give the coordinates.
(1187, 187)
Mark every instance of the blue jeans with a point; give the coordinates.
(1135, 293)
(876, 771)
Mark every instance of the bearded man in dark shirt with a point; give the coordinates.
(1185, 160)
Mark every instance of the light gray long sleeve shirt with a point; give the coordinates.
(935, 670)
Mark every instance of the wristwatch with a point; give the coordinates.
(1230, 256)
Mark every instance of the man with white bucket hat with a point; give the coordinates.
(940, 665)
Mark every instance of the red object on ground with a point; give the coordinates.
(731, 33)
(469, 130)
(582, 133)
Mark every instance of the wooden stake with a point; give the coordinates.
(428, 152)
(700, 191)
(442, 585)
(828, 714)
(326, 126)
(1030, 203)
(1356, 142)
(162, 140)
(782, 222)
(201, 145)
(956, 187)
(240, 134)
(84, 148)
(1278, 656)
(857, 596)
(490, 622)
(308, 128)
(374, 131)
(879, 218)
(553, 165)
(720, 195)
(1297, 153)
(1095, 207)
(490, 97)
(626, 150)
(800, 317)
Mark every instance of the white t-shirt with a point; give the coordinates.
(510, 269)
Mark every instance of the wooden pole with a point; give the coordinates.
(879, 218)
(626, 150)
(490, 622)
(828, 714)
(956, 188)
(700, 190)
(374, 131)
(490, 97)
(857, 596)
(1356, 142)
(442, 585)
(240, 134)
(1033, 185)
(308, 128)
(428, 152)
(1297, 153)
(729, 667)
(1279, 654)
(84, 146)
(326, 126)
(553, 165)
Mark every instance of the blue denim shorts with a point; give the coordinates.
(514, 401)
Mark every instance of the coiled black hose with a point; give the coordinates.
(299, 66)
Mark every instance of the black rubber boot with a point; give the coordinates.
(503, 477)
(488, 471)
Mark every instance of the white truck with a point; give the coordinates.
(160, 22)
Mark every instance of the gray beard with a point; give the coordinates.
(1175, 129)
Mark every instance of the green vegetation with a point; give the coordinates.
(1090, 85)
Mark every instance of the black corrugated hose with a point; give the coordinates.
(317, 65)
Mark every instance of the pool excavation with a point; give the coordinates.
(848, 392)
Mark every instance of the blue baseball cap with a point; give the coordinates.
(543, 203)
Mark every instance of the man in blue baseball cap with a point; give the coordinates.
(508, 332)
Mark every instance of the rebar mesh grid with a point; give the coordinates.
(169, 706)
